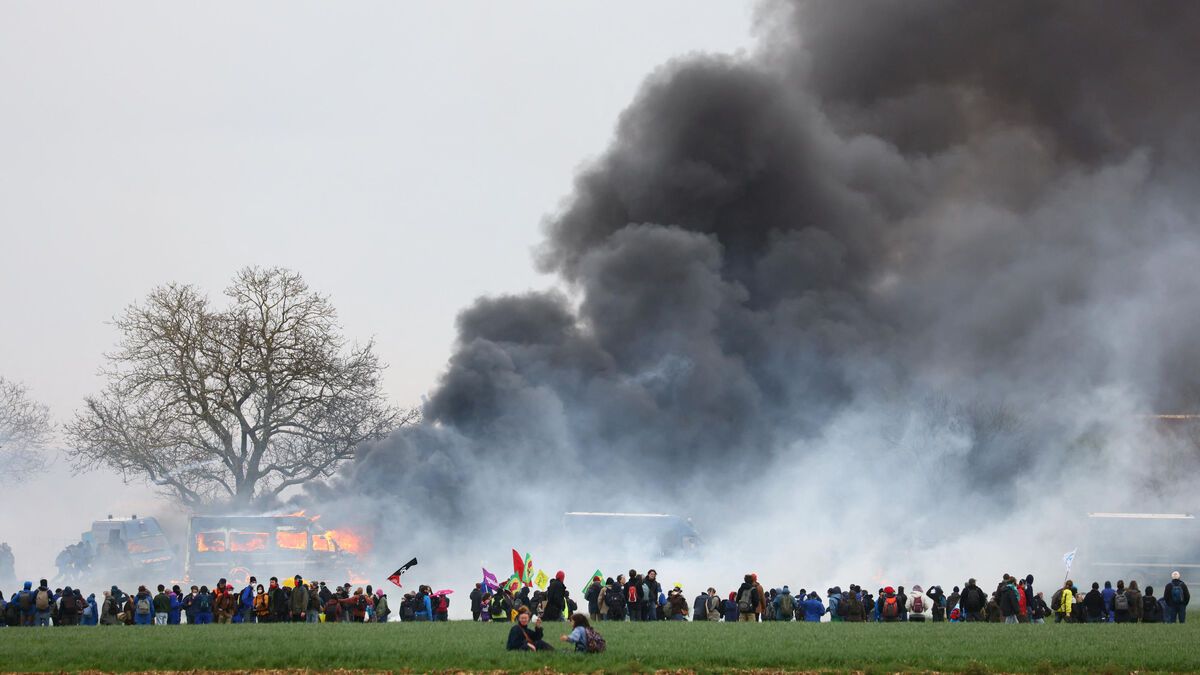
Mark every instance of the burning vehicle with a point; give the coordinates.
(131, 548)
(234, 547)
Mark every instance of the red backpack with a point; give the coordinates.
(890, 609)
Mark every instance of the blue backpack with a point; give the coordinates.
(1177, 594)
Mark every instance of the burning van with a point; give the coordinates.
(234, 547)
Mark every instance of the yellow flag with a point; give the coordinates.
(541, 580)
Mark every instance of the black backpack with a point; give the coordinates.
(745, 601)
(614, 598)
(700, 608)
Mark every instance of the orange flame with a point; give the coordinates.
(348, 540)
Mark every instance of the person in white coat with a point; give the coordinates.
(919, 606)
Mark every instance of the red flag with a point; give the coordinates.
(518, 564)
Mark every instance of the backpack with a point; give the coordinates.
(786, 605)
(632, 593)
(1056, 600)
(25, 599)
(918, 604)
(1177, 595)
(593, 641)
(204, 603)
(42, 600)
(407, 612)
(745, 601)
(1149, 607)
(700, 608)
(614, 599)
(891, 609)
(714, 606)
(1121, 602)
(143, 605)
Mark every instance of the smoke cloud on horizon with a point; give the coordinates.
(905, 281)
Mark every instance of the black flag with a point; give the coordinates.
(395, 578)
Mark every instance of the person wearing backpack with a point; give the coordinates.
(43, 604)
(920, 605)
(889, 610)
(700, 607)
(1009, 600)
(973, 601)
(748, 600)
(245, 610)
(784, 604)
(614, 600)
(1151, 609)
(143, 607)
(24, 601)
(556, 598)
(1175, 600)
(584, 637)
(1121, 605)
(203, 605)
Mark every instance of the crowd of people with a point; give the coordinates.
(293, 600)
(628, 597)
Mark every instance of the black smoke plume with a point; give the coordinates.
(904, 240)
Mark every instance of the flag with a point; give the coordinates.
(490, 582)
(513, 583)
(592, 578)
(395, 577)
(1068, 559)
(527, 577)
(541, 580)
(518, 565)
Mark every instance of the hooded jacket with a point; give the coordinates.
(926, 603)
(813, 608)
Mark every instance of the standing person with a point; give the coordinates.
(43, 604)
(314, 603)
(277, 600)
(174, 606)
(814, 608)
(1009, 601)
(835, 603)
(889, 610)
(614, 599)
(1135, 601)
(973, 601)
(476, 602)
(952, 600)
(225, 605)
(442, 611)
(246, 603)
(91, 615)
(382, 611)
(523, 638)
(919, 605)
(902, 599)
(1151, 609)
(203, 606)
(714, 605)
(730, 608)
(748, 600)
(677, 605)
(595, 597)
(784, 605)
(1175, 599)
(1066, 602)
(761, 609)
(162, 606)
(1120, 604)
(1038, 610)
(652, 591)
(700, 607)
(299, 601)
(143, 607)
(189, 604)
(262, 605)
(556, 598)
(1109, 594)
(68, 608)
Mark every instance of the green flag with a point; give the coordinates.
(595, 574)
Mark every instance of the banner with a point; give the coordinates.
(513, 583)
(395, 577)
(527, 577)
(541, 580)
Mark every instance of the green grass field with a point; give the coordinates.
(631, 648)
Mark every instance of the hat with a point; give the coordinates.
(917, 588)
(786, 589)
(678, 586)
(889, 589)
(1175, 576)
(560, 576)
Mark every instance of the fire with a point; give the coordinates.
(348, 540)
(247, 541)
(210, 541)
(295, 540)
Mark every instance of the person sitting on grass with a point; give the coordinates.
(522, 638)
(581, 631)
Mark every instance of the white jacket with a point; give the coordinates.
(926, 603)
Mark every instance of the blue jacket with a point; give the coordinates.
(94, 618)
(813, 609)
(731, 611)
(176, 608)
(1108, 594)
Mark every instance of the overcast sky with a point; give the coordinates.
(400, 155)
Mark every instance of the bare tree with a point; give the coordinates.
(235, 404)
(24, 428)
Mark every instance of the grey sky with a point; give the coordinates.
(400, 155)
